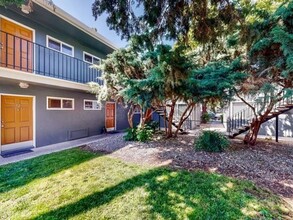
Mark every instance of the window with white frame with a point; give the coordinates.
(91, 105)
(89, 58)
(56, 103)
(59, 46)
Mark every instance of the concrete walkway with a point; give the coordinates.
(213, 126)
(35, 152)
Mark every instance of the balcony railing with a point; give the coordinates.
(21, 54)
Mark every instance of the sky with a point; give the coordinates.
(82, 10)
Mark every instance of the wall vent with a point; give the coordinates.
(76, 134)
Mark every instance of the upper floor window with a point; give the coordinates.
(91, 58)
(59, 46)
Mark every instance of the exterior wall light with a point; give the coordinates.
(23, 85)
(27, 8)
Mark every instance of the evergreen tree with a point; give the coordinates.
(271, 67)
(148, 79)
(203, 20)
(170, 73)
(162, 77)
(121, 68)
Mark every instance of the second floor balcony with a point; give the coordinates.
(26, 56)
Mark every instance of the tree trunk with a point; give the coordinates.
(145, 117)
(142, 121)
(204, 107)
(165, 121)
(130, 116)
(148, 115)
(251, 137)
(170, 119)
(204, 111)
(183, 118)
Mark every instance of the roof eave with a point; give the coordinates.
(73, 21)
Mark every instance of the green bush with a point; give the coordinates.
(205, 117)
(211, 141)
(144, 134)
(130, 134)
(139, 134)
(154, 125)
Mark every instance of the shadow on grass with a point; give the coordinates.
(172, 195)
(23, 172)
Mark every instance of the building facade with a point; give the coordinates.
(46, 62)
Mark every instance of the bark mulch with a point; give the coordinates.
(267, 164)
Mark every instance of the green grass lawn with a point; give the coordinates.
(76, 184)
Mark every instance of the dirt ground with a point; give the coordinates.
(268, 164)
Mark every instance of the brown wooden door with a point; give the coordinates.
(110, 115)
(17, 46)
(16, 119)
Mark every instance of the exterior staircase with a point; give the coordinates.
(162, 112)
(241, 121)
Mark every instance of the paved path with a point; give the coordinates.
(35, 152)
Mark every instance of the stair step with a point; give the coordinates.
(289, 105)
(233, 135)
(234, 131)
(238, 131)
(243, 128)
(161, 112)
(283, 109)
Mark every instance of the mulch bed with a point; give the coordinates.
(267, 164)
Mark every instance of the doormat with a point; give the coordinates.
(15, 153)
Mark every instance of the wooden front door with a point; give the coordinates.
(110, 116)
(17, 46)
(16, 119)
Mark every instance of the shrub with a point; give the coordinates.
(205, 117)
(139, 134)
(211, 141)
(144, 134)
(154, 125)
(130, 134)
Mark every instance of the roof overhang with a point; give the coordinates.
(52, 8)
(50, 17)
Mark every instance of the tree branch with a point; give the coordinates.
(243, 100)
(182, 118)
(264, 71)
